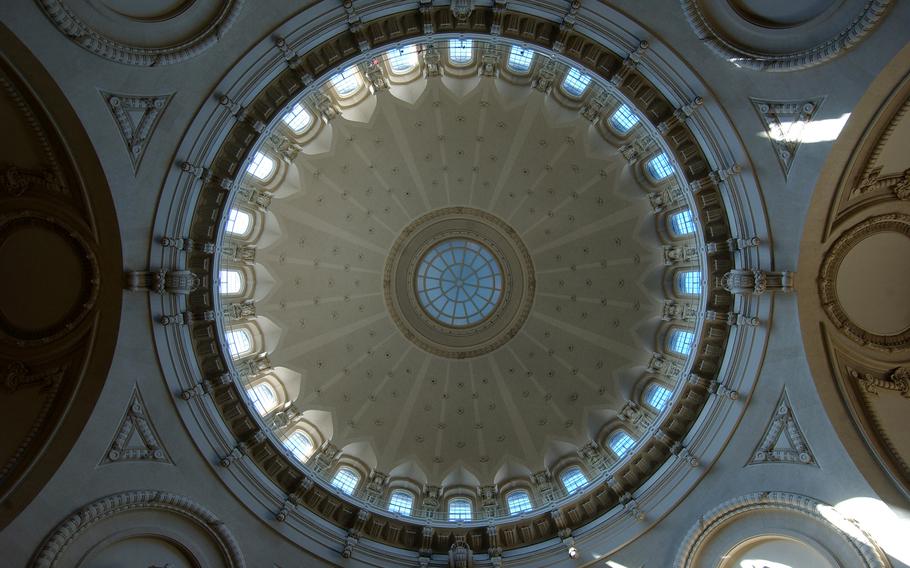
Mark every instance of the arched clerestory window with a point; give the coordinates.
(659, 167)
(460, 509)
(239, 342)
(300, 444)
(346, 480)
(576, 82)
(680, 341)
(620, 443)
(401, 502)
(657, 396)
(261, 167)
(573, 479)
(518, 502)
(263, 397)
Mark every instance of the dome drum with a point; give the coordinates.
(311, 490)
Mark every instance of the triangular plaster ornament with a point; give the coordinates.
(783, 440)
(786, 125)
(136, 118)
(136, 438)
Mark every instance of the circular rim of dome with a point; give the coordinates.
(401, 269)
(193, 362)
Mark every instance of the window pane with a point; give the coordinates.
(575, 82)
(460, 50)
(573, 479)
(689, 282)
(459, 282)
(520, 59)
(239, 342)
(621, 443)
(261, 166)
(300, 445)
(346, 480)
(298, 118)
(402, 59)
(263, 398)
(230, 282)
(518, 502)
(238, 222)
(459, 510)
(623, 119)
(347, 82)
(681, 223)
(681, 341)
(658, 396)
(401, 502)
(659, 167)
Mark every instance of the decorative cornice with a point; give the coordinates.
(827, 281)
(65, 533)
(742, 56)
(715, 519)
(93, 40)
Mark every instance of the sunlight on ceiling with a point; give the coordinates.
(759, 563)
(808, 132)
(881, 522)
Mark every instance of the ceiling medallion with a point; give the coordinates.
(459, 282)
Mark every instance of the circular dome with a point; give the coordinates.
(459, 282)
(597, 203)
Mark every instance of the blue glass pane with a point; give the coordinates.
(681, 341)
(689, 282)
(573, 479)
(575, 82)
(403, 59)
(658, 397)
(346, 480)
(401, 502)
(459, 510)
(460, 50)
(459, 282)
(623, 119)
(520, 59)
(659, 167)
(621, 443)
(681, 223)
(518, 502)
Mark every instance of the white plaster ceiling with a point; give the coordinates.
(523, 156)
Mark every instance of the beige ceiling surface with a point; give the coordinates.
(522, 156)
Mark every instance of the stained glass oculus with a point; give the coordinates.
(459, 282)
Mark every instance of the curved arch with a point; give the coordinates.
(65, 533)
(731, 510)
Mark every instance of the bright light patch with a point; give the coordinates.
(261, 166)
(298, 119)
(347, 82)
(757, 563)
(804, 132)
(879, 520)
(403, 59)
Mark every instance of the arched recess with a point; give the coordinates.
(61, 295)
(854, 311)
(136, 523)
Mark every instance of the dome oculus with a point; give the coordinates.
(459, 282)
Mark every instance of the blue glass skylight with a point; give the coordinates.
(459, 282)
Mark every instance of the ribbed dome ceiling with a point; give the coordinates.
(548, 173)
